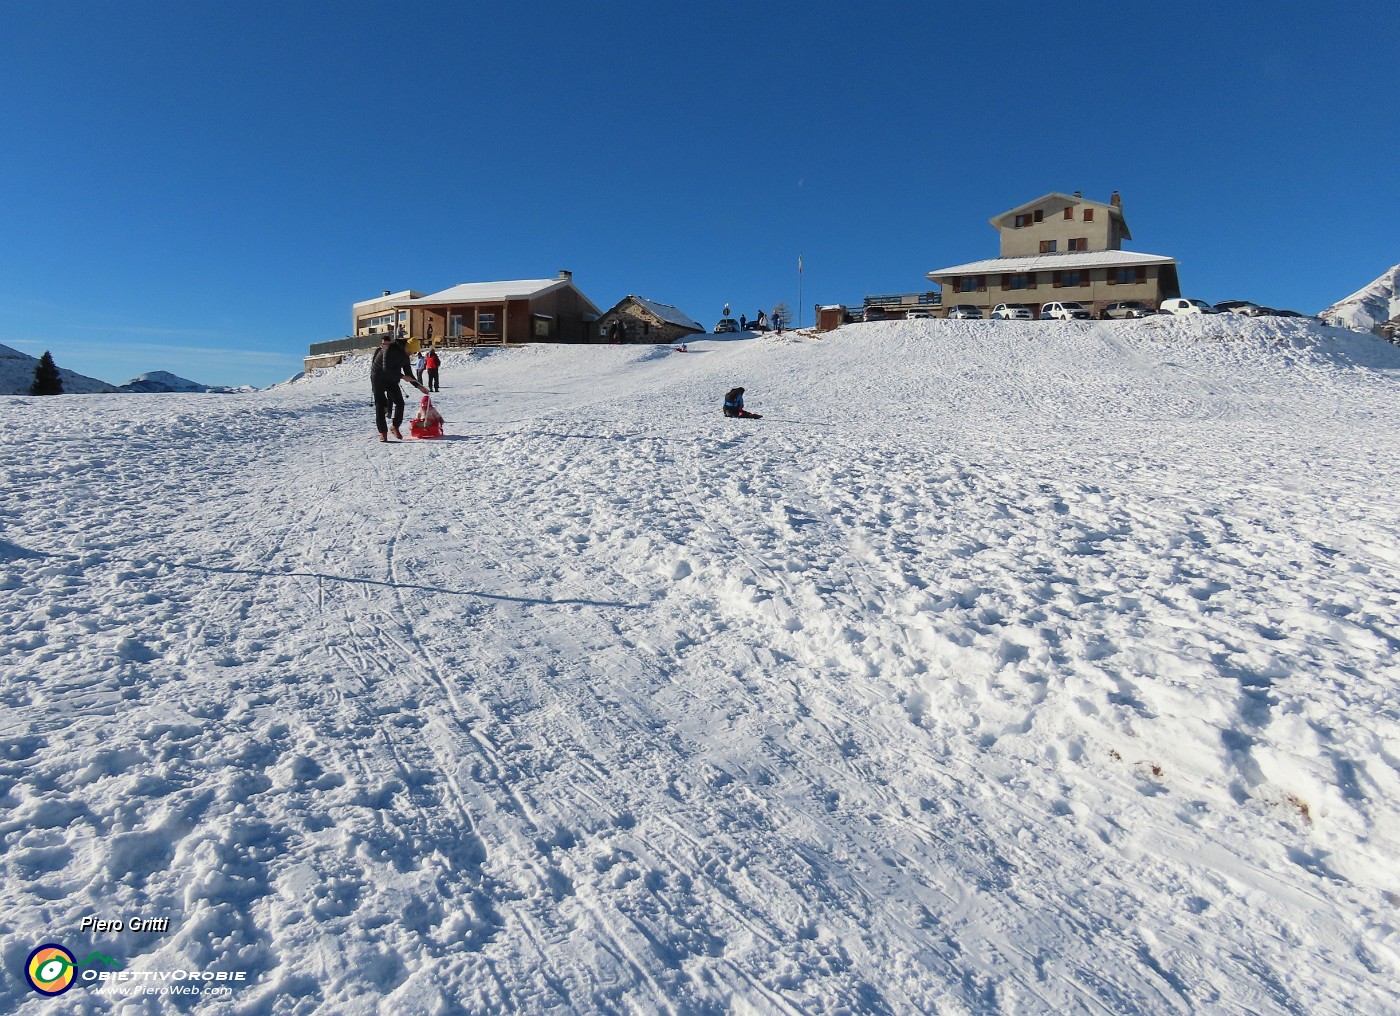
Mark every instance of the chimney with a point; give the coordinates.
(1079, 194)
(386, 292)
(565, 276)
(1116, 201)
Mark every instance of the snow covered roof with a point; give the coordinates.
(1054, 262)
(408, 294)
(482, 292)
(667, 313)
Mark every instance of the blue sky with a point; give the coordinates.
(207, 188)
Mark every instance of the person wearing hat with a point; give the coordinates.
(734, 405)
(387, 368)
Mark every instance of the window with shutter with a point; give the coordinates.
(1088, 215)
(1069, 212)
(1039, 215)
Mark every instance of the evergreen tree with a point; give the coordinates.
(46, 379)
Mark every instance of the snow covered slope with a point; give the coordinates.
(1370, 307)
(17, 375)
(1002, 668)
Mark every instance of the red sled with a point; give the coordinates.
(428, 422)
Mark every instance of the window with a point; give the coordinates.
(454, 326)
(1039, 215)
(541, 326)
(1069, 212)
(1079, 243)
(1127, 276)
(1088, 215)
(1023, 220)
(970, 284)
(1049, 246)
(1071, 278)
(486, 323)
(1018, 281)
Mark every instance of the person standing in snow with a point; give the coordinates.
(387, 368)
(430, 333)
(734, 405)
(420, 365)
(433, 361)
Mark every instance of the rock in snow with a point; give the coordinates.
(1003, 667)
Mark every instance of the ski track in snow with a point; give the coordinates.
(1002, 668)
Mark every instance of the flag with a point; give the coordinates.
(799, 264)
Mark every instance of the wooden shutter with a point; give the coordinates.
(1113, 276)
(981, 283)
(1088, 215)
(1006, 282)
(1084, 278)
(1030, 280)
(1069, 212)
(1056, 277)
(1141, 273)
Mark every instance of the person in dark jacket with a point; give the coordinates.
(389, 366)
(734, 405)
(432, 362)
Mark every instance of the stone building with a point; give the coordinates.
(646, 320)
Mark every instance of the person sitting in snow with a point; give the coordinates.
(388, 367)
(734, 405)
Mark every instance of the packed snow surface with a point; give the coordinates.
(1001, 668)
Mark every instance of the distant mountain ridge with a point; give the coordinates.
(1370, 307)
(17, 374)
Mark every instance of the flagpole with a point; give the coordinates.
(799, 290)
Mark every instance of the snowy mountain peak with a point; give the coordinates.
(1370, 307)
(163, 381)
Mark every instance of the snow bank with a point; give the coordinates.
(1003, 667)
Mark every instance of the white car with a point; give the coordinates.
(1063, 311)
(1180, 305)
(965, 311)
(918, 315)
(1012, 312)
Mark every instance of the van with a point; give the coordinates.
(1180, 305)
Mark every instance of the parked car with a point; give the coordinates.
(1065, 311)
(1181, 305)
(875, 314)
(726, 325)
(1012, 312)
(965, 311)
(1126, 309)
(1241, 307)
(918, 314)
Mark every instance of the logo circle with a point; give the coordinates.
(49, 969)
